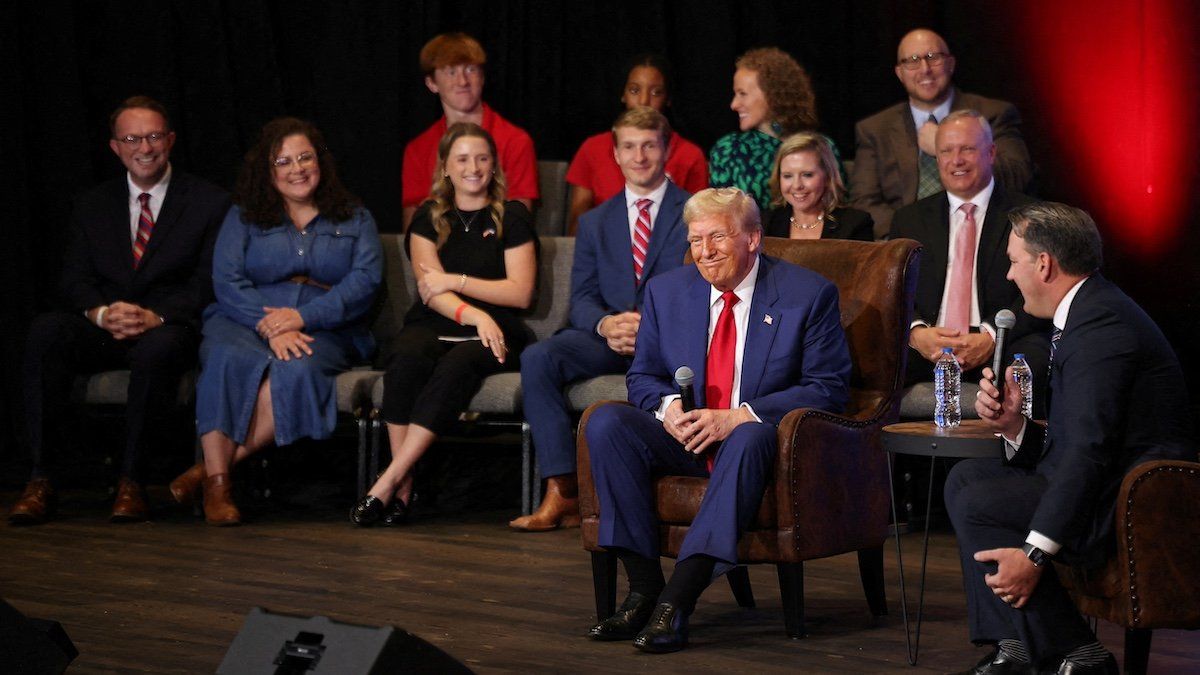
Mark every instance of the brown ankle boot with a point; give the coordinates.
(559, 508)
(219, 508)
(184, 488)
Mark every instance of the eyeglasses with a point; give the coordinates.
(304, 160)
(913, 62)
(153, 139)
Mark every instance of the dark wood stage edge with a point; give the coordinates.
(170, 595)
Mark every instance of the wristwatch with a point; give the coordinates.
(1036, 555)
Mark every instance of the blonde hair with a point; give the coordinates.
(644, 118)
(443, 190)
(808, 141)
(728, 203)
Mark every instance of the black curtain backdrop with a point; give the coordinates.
(223, 68)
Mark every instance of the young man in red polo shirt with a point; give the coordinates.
(453, 66)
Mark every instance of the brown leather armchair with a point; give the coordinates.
(1153, 581)
(829, 494)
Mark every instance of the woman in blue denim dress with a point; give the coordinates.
(295, 270)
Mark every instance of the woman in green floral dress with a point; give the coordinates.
(773, 98)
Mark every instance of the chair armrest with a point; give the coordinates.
(588, 506)
(831, 484)
(1157, 527)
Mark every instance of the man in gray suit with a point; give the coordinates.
(896, 164)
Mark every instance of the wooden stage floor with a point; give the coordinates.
(170, 595)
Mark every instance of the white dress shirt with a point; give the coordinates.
(631, 211)
(958, 219)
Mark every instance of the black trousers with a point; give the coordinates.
(430, 382)
(991, 506)
(64, 345)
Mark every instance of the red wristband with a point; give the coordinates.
(458, 313)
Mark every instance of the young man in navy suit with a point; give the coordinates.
(620, 246)
(764, 337)
(136, 274)
(1117, 399)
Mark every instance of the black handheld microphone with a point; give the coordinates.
(1005, 320)
(683, 379)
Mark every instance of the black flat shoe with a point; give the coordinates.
(397, 512)
(368, 511)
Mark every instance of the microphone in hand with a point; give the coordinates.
(683, 379)
(1005, 320)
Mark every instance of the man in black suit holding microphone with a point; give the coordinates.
(1117, 398)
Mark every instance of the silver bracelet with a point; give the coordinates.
(462, 282)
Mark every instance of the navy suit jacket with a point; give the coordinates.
(799, 359)
(602, 280)
(1117, 398)
(174, 278)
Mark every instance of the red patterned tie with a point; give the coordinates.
(641, 238)
(958, 301)
(718, 381)
(145, 227)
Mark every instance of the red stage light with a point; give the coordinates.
(1118, 91)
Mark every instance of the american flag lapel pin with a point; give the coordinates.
(768, 320)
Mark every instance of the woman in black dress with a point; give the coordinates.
(807, 192)
(474, 257)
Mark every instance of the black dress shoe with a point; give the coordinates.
(630, 619)
(1108, 667)
(1000, 662)
(667, 630)
(397, 512)
(368, 511)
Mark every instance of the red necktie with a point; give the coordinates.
(641, 238)
(958, 301)
(718, 380)
(145, 227)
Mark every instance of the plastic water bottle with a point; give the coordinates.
(1023, 378)
(947, 385)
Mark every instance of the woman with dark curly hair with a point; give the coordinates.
(807, 194)
(295, 269)
(474, 256)
(773, 98)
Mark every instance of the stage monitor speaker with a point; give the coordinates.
(292, 645)
(32, 645)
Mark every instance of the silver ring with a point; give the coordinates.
(1007, 599)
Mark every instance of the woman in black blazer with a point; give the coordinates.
(806, 193)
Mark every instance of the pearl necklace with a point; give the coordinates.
(806, 226)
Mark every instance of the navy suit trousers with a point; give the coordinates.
(629, 448)
(991, 506)
(546, 368)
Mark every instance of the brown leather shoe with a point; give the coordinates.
(184, 488)
(559, 508)
(36, 505)
(130, 504)
(219, 508)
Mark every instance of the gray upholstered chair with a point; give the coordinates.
(550, 217)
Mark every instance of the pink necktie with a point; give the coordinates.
(641, 238)
(145, 227)
(958, 301)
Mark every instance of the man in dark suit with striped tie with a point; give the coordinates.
(1117, 398)
(136, 274)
